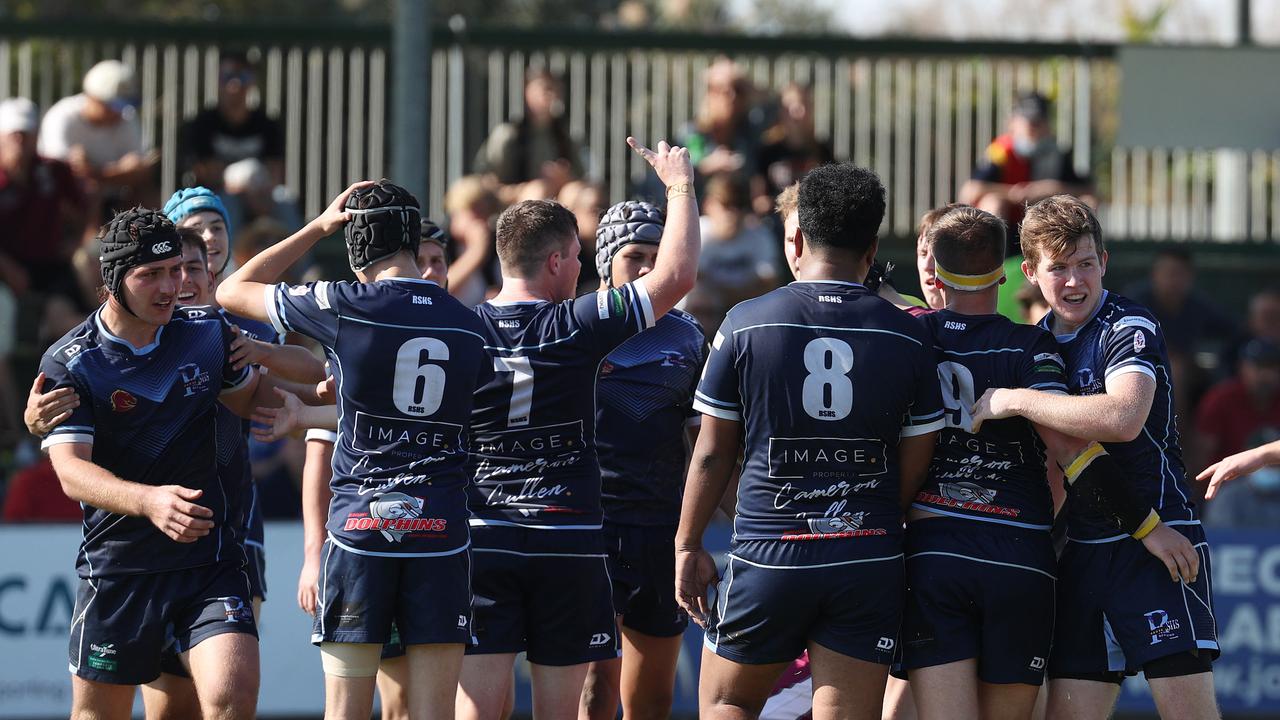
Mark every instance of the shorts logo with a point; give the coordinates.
(1037, 663)
(122, 401)
(600, 639)
(236, 610)
(967, 492)
(1162, 626)
(194, 379)
(102, 657)
(161, 247)
(885, 644)
(462, 621)
(1139, 341)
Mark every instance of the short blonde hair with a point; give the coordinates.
(1053, 226)
(788, 201)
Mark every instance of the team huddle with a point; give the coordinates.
(537, 474)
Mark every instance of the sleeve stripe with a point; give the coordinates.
(246, 374)
(72, 429)
(269, 294)
(1128, 368)
(1049, 386)
(65, 438)
(914, 430)
(716, 412)
(918, 419)
(322, 435)
(699, 396)
(322, 295)
(646, 305)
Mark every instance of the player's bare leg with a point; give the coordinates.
(435, 669)
(225, 671)
(1189, 697)
(100, 701)
(557, 690)
(728, 690)
(170, 697)
(946, 691)
(648, 675)
(601, 692)
(845, 687)
(898, 701)
(1071, 699)
(393, 681)
(348, 698)
(485, 685)
(1011, 701)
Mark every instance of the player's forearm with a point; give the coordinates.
(318, 417)
(242, 292)
(1101, 417)
(705, 486)
(91, 484)
(294, 362)
(914, 456)
(316, 494)
(676, 268)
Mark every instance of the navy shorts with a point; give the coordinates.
(544, 592)
(122, 625)
(256, 569)
(979, 590)
(1118, 610)
(361, 596)
(642, 565)
(769, 613)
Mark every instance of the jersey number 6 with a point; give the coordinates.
(419, 386)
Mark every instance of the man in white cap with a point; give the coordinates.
(97, 131)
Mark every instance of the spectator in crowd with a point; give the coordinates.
(1187, 317)
(586, 201)
(1024, 165)
(725, 138)
(41, 209)
(1238, 409)
(35, 495)
(250, 193)
(232, 131)
(1253, 501)
(1264, 315)
(1032, 303)
(739, 255)
(790, 148)
(533, 157)
(471, 208)
(97, 132)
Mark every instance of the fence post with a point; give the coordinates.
(411, 101)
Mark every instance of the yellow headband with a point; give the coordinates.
(971, 283)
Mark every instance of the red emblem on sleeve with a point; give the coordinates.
(122, 401)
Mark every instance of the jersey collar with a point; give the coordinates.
(1047, 322)
(102, 330)
(828, 282)
(419, 281)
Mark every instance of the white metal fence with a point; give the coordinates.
(920, 114)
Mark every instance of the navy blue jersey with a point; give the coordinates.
(997, 474)
(533, 429)
(643, 401)
(407, 359)
(826, 377)
(254, 532)
(150, 415)
(1124, 337)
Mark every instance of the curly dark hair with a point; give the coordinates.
(841, 206)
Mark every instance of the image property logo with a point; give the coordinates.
(1162, 626)
(103, 657)
(194, 379)
(236, 610)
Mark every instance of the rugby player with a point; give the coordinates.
(407, 359)
(541, 580)
(647, 382)
(980, 561)
(160, 561)
(1117, 611)
(835, 392)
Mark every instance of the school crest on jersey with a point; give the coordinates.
(123, 401)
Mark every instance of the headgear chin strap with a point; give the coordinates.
(385, 219)
(630, 221)
(967, 283)
(132, 238)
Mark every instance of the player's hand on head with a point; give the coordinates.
(45, 411)
(173, 510)
(670, 162)
(1174, 550)
(275, 423)
(695, 573)
(1230, 468)
(335, 216)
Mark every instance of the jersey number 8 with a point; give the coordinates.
(828, 392)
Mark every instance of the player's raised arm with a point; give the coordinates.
(243, 293)
(676, 267)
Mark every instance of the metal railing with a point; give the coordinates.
(920, 113)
